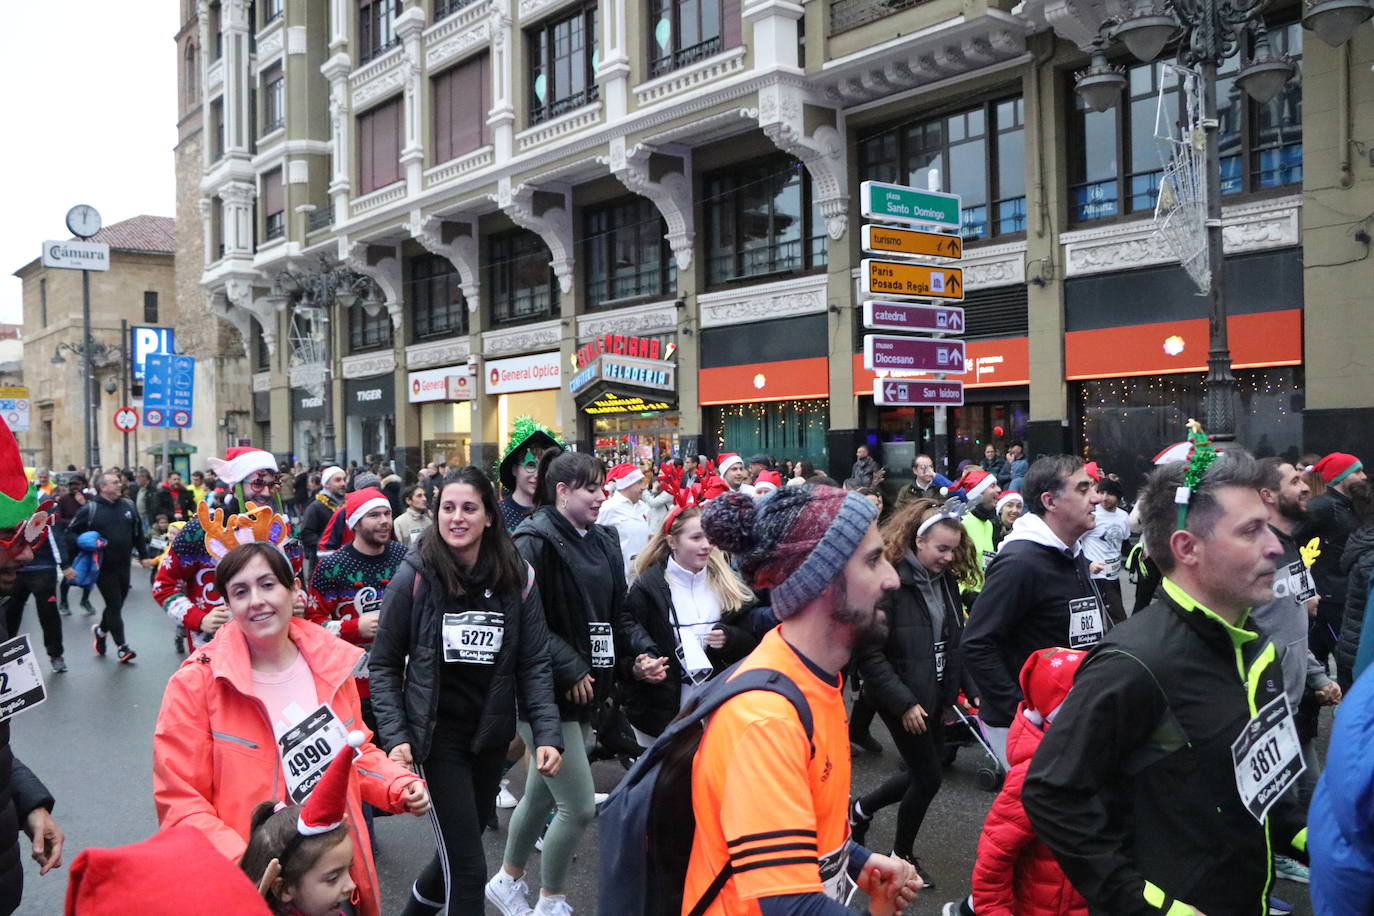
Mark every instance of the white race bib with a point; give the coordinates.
(1112, 569)
(1085, 622)
(940, 660)
(988, 557)
(1295, 581)
(307, 749)
(603, 645)
(1268, 757)
(21, 683)
(474, 637)
(835, 879)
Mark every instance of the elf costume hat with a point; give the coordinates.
(525, 435)
(1336, 467)
(327, 803)
(18, 497)
(623, 476)
(241, 461)
(975, 482)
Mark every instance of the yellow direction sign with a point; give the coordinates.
(886, 240)
(900, 278)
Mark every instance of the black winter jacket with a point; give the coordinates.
(901, 672)
(1135, 781)
(1333, 520)
(646, 626)
(564, 562)
(1357, 564)
(118, 523)
(408, 652)
(20, 793)
(313, 521)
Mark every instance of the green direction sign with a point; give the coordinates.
(902, 204)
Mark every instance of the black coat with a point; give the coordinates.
(900, 673)
(646, 627)
(20, 793)
(1357, 564)
(408, 651)
(163, 501)
(1333, 520)
(564, 562)
(313, 521)
(118, 523)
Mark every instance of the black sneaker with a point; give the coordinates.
(64, 610)
(858, 823)
(88, 608)
(126, 654)
(866, 743)
(58, 665)
(99, 639)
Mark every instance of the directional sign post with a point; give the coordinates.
(913, 316)
(913, 354)
(903, 278)
(911, 243)
(896, 392)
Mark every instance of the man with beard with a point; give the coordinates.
(315, 518)
(771, 834)
(1161, 787)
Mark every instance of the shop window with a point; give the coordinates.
(684, 32)
(462, 95)
(437, 304)
(379, 146)
(761, 220)
(377, 27)
(273, 99)
(1261, 145)
(978, 153)
(273, 205)
(626, 254)
(368, 331)
(783, 429)
(563, 60)
(521, 279)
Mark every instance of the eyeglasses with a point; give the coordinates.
(265, 481)
(14, 542)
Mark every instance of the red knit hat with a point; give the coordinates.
(1336, 467)
(622, 476)
(327, 802)
(176, 872)
(1045, 681)
(974, 482)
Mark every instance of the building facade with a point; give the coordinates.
(637, 221)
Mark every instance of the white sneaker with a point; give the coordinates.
(509, 895)
(599, 798)
(553, 905)
(539, 845)
(504, 799)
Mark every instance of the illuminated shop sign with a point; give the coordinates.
(612, 403)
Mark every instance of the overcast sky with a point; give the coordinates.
(89, 104)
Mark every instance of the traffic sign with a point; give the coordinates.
(14, 407)
(913, 354)
(902, 278)
(902, 204)
(892, 392)
(181, 418)
(168, 389)
(913, 316)
(912, 243)
(126, 419)
(153, 417)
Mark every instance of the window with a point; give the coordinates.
(216, 31)
(979, 154)
(150, 307)
(217, 227)
(217, 128)
(625, 253)
(273, 99)
(438, 306)
(273, 205)
(43, 302)
(563, 59)
(446, 8)
(376, 27)
(685, 31)
(368, 332)
(521, 278)
(271, 11)
(850, 14)
(191, 80)
(1261, 145)
(262, 357)
(462, 95)
(379, 146)
(760, 220)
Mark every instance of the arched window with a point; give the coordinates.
(191, 81)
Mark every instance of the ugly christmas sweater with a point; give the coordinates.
(347, 584)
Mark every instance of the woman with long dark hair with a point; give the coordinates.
(462, 639)
(683, 622)
(578, 568)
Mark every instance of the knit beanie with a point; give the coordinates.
(364, 479)
(1336, 467)
(795, 542)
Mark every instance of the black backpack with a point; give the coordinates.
(647, 825)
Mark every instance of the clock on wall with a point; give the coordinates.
(83, 220)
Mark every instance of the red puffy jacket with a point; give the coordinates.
(1016, 874)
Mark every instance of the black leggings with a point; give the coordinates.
(114, 588)
(68, 585)
(42, 584)
(916, 786)
(461, 786)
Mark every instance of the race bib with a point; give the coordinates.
(1085, 622)
(835, 879)
(474, 637)
(1112, 569)
(603, 646)
(21, 683)
(307, 749)
(158, 544)
(940, 660)
(1267, 757)
(1296, 582)
(988, 557)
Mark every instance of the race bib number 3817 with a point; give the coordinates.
(1267, 757)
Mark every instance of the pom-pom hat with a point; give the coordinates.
(241, 461)
(975, 482)
(326, 804)
(623, 476)
(1007, 498)
(1046, 678)
(1336, 467)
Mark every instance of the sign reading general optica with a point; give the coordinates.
(523, 373)
(901, 204)
(76, 255)
(451, 384)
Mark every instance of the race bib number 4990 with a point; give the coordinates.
(307, 749)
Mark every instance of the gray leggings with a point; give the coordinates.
(570, 792)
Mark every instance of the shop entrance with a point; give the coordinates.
(634, 439)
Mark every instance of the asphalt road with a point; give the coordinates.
(91, 742)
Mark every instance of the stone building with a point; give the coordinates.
(639, 222)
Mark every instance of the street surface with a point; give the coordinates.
(91, 742)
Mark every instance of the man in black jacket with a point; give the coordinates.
(1162, 786)
(1038, 593)
(333, 486)
(1333, 521)
(114, 518)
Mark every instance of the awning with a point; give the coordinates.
(173, 448)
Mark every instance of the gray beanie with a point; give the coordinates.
(794, 542)
(365, 479)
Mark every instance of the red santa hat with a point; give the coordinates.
(726, 460)
(1009, 496)
(623, 476)
(360, 502)
(974, 482)
(240, 461)
(1336, 467)
(1046, 678)
(767, 482)
(325, 805)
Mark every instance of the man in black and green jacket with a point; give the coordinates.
(1160, 788)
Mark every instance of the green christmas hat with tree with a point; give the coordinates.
(524, 435)
(18, 497)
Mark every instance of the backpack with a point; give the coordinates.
(647, 825)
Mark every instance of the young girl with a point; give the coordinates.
(298, 875)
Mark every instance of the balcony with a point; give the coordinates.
(685, 56)
(541, 113)
(445, 8)
(319, 219)
(850, 14)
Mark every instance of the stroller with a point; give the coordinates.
(964, 730)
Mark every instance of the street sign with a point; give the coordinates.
(168, 390)
(902, 278)
(913, 316)
(902, 204)
(911, 243)
(913, 354)
(14, 407)
(76, 255)
(892, 392)
(126, 419)
(147, 341)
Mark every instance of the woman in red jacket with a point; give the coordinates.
(258, 713)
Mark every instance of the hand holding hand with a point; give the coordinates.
(651, 669)
(1330, 695)
(401, 754)
(69, 574)
(416, 798)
